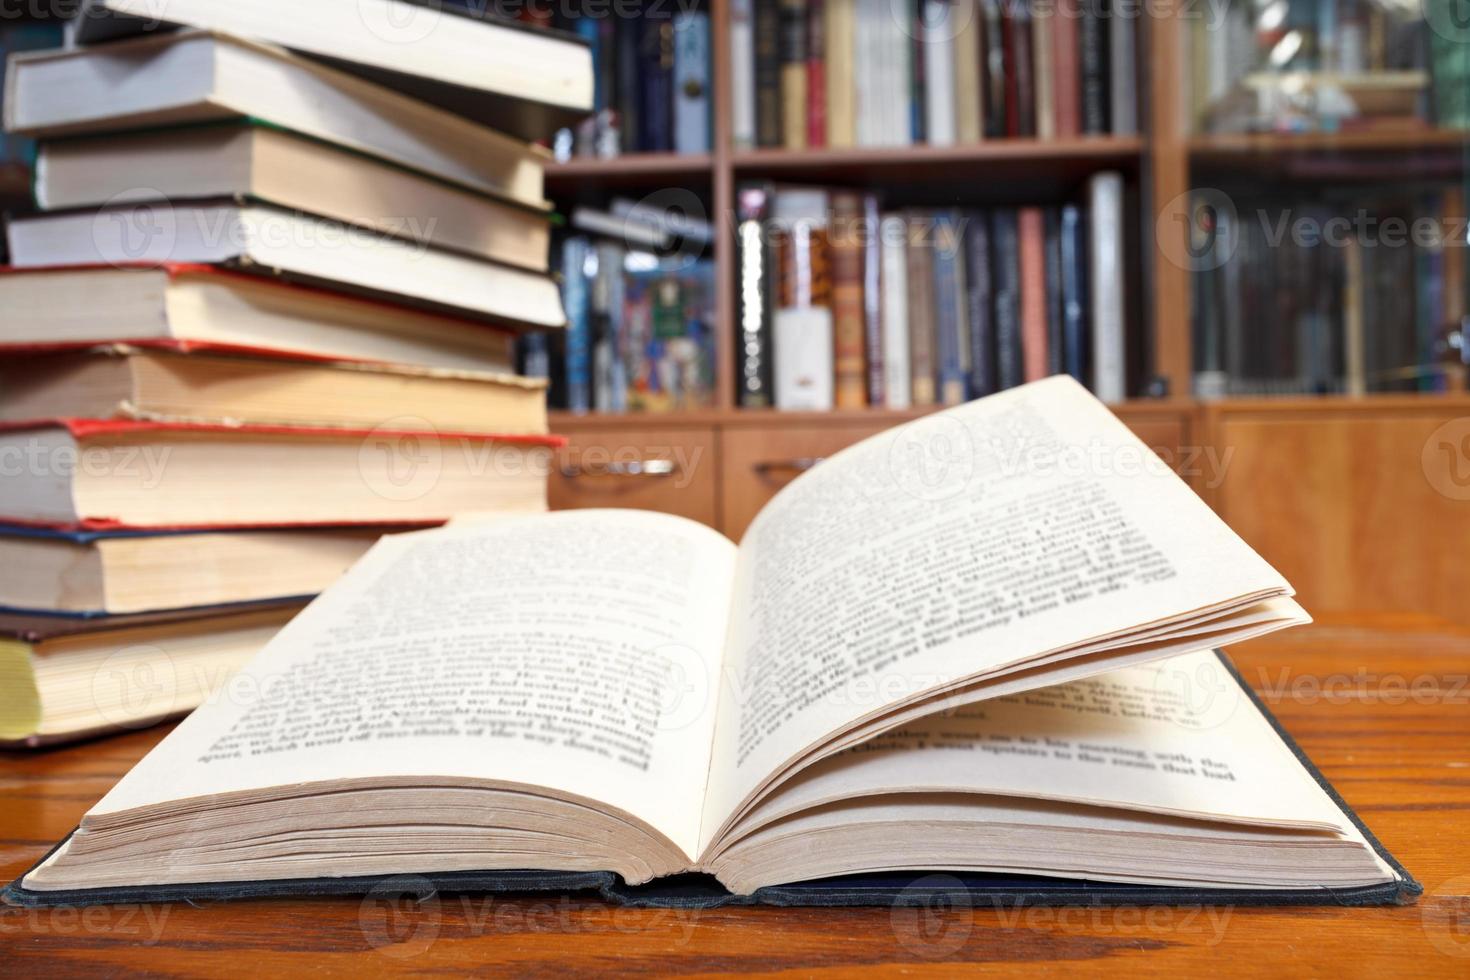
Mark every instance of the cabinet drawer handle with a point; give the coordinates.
(637, 468)
(796, 465)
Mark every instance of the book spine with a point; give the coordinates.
(1074, 293)
(904, 86)
(1009, 77)
(793, 74)
(768, 20)
(1066, 70)
(920, 273)
(579, 326)
(980, 298)
(1035, 349)
(742, 74)
(915, 37)
(755, 297)
(630, 86)
(872, 297)
(692, 92)
(946, 311)
(1055, 359)
(610, 378)
(816, 73)
(1043, 71)
(1025, 71)
(1122, 70)
(996, 108)
(841, 85)
(1109, 363)
(1093, 44)
(1006, 281)
(897, 380)
(969, 106)
(939, 80)
(848, 327)
(657, 74)
(869, 96)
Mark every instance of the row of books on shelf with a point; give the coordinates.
(235, 352)
(1329, 65)
(844, 304)
(652, 91)
(844, 73)
(1357, 291)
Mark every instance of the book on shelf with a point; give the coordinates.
(168, 384)
(937, 71)
(240, 159)
(893, 715)
(192, 77)
(296, 245)
(201, 307)
(496, 71)
(693, 86)
(97, 574)
(983, 299)
(69, 679)
(164, 475)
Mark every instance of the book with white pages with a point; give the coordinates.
(970, 649)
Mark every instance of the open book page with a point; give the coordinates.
(570, 651)
(952, 547)
(1176, 737)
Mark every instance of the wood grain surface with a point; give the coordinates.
(1382, 704)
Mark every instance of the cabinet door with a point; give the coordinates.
(664, 469)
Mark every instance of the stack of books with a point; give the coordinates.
(846, 304)
(842, 73)
(266, 310)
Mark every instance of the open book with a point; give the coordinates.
(971, 643)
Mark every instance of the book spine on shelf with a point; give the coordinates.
(869, 94)
(692, 89)
(947, 300)
(1009, 77)
(993, 68)
(1055, 349)
(742, 74)
(579, 326)
(841, 84)
(755, 300)
(1122, 69)
(656, 73)
(1043, 23)
(904, 90)
(793, 74)
(610, 378)
(1074, 293)
(630, 84)
(1109, 358)
(980, 300)
(1066, 65)
(969, 107)
(1093, 44)
(939, 79)
(1035, 350)
(1024, 70)
(768, 35)
(1006, 282)
(918, 71)
(816, 73)
(848, 326)
(920, 273)
(872, 297)
(897, 380)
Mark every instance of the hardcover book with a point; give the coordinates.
(611, 698)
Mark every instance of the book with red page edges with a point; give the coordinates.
(94, 474)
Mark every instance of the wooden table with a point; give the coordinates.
(1382, 705)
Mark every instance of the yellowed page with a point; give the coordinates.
(574, 651)
(955, 546)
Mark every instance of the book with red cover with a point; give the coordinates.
(94, 474)
(1066, 66)
(816, 73)
(1035, 349)
(848, 320)
(184, 307)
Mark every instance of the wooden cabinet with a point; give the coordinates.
(670, 468)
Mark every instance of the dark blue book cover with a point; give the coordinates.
(1055, 340)
(656, 73)
(1074, 292)
(1006, 281)
(980, 301)
(947, 300)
